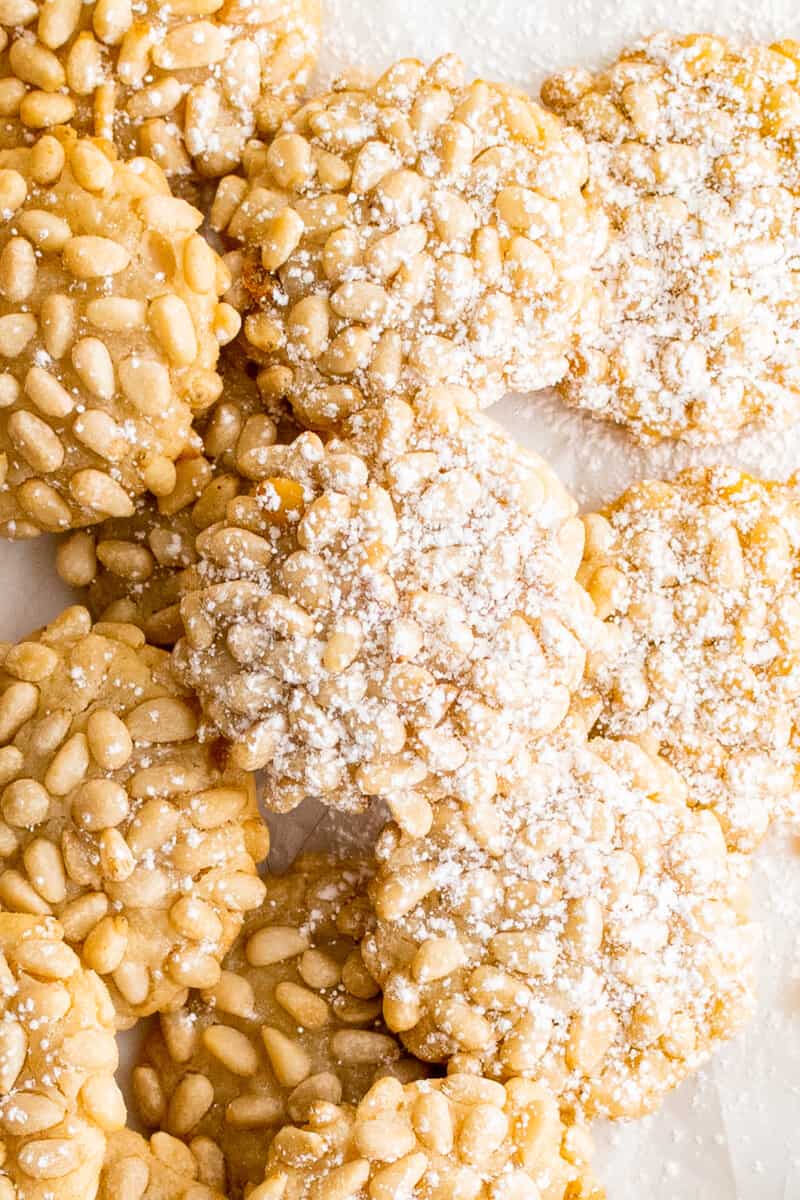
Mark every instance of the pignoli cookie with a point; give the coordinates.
(293, 1021)
(435, 1139)
(58, 1054)
(115, 818)
(587, 928)
(390, 609)
(419, 230)
(110, 326)
(697, 581)
(692, 156)
(185, 83)
(158, 1168)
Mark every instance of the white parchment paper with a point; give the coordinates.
(734, 1132)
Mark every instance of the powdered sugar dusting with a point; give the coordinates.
(697, 581)
(588, 928)
(392, 609)
(691, 157)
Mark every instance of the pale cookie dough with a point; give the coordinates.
(58, 1054)
(186, 83)
(698, 580)
(588, 929)
(110, 325)
(161, 1168)
(418, 230)
(463, 1136)
(392, 609)
(137, 568)
(138, 837)
(294, 1020)
(693, 156)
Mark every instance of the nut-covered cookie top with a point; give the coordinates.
(294, 1020)
(159, 1168)
(697, 582)
(420, 230)
(587, 928)
(390, 609)
(140, 838)
(434, 1139)
(110, 325)
(137, 568)
(186, 83)
(58, 1054)
(693, 158)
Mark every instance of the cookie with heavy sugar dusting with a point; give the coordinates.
(697, 582)
(693, 158)
(394, 608)
(421, 229)
(587, 928)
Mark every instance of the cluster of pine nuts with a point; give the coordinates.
(435, 1139)
(159, 1168)
(692, 156)
(580, 728)
(137, 568)
(588, 929)
(58, 1054)
(115, 818)
(697, 581)
(293, 1021)
(392, 609)
(186, 84)
(110, 326)
(417, 230)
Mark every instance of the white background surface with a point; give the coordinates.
(734, 1133)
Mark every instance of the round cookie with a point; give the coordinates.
(435, 1139)
(136, 568)
(294, 1020)
(418, 230)
(693, 157)
(394, 608)
(588, 929)
(697, 580)
(115, 817)
(184, 83)
(58, 1054)
(110, 325)
(161, 1168)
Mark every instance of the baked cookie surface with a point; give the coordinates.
(57, 1061)
(439, 1138)
(186, 84)
(420, 230)
(110, 326)
(587, 928)
(692, 157)
(391, 608)
(697, 582)
(140, 838)
(294, 1021)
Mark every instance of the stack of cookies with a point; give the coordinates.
(248, 334)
